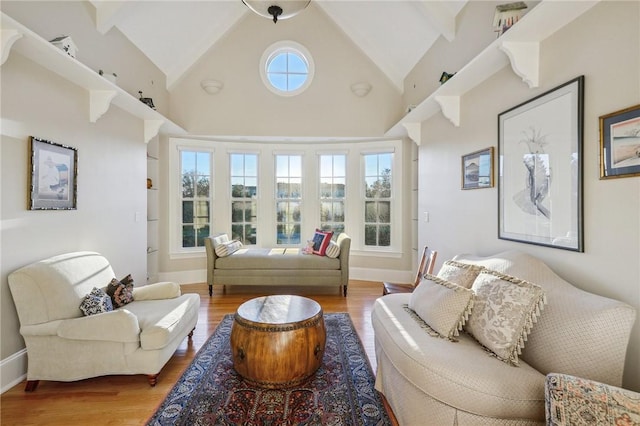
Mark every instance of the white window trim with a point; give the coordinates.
(354, 206)
(282, 47)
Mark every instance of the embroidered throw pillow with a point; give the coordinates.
(333, 250)
(120, 293)
(321, 241)
(443, 305)
(504, 312)
(462, 274)
(96, 302)
(227, 248)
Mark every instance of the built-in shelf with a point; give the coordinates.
(520, 46)
(102, 92)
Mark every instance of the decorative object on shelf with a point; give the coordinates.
(212, 87)
(445, 76)
(361, 89)
(149, 183)
(620, 143)
(147, 101)
(410, 108)
(66, 44)
(540, 156)
(54, 171)
(506, 15)
(112, 77)
(477, 169)
(277, 9)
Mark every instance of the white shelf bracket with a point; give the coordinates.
(99, 102)
(450, 106)
(8, 38)
(414, 131)
(525, 60)
(151, 129)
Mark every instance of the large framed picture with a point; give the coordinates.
(540, 169)
(477, 169)
(52, 181)
(620, 143)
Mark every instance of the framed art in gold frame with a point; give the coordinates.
(477, 169)
(620, 143)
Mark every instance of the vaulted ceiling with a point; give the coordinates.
(394, 34)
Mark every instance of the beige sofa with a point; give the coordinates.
(433, 381)
(64, 345)
(278, 267)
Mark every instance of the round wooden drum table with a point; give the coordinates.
(278, 341)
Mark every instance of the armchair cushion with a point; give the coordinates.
(119, 325)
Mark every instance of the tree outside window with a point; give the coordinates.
(195, 169)
(377, 204)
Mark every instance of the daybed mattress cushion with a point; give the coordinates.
(257, 258)
(460, 374)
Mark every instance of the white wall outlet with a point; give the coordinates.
(426, 216)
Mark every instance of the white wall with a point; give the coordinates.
(604, 46)
(111, 170)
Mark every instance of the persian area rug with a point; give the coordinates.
(341, 392)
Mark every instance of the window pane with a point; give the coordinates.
(296, 188)
(326, 213)
(282, 165)
(326, 165)
(188, 236)
(371, 165)
(188, 162)
(250, 234)
(338, 211)
(338, 187)
(251, 165)
(237, 165)
(288, 234)
(237, 232)
(384, 212)
(296, 64)
(202, 233)
(282, 188)
(339, 165)
(279, 81)
(325, 188)
(384, 235)
(237, 211)
(203, 186)
(278, 63)
(370, 212)
(251, 187)
(295, 165)
(370, 235)
(203, 164)
(187, 211)
(295, 81)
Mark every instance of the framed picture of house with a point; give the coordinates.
(477, 169)
(52, 181)
(620, 143)
(540, 169)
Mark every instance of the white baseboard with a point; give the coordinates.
(13, 370)
(365, 274)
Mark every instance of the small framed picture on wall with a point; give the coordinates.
(620, 143)
(52, 179)
(477, 169)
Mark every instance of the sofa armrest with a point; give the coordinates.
(119, 325)
(344, 241)
(572, 400)
(45, 329)
(157, 291)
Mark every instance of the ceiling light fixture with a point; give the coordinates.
(277, 9)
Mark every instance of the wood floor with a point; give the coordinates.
(129, 400)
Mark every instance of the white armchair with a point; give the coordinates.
(64, 345)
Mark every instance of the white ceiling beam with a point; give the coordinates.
(441, 17)
(107, 14)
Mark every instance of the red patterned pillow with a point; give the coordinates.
(321, 240)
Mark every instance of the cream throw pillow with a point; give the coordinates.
(444, 306)
(462, 274)
(504, 312)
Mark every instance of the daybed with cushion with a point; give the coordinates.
(275, 267)
(434, 371)
(73, 332)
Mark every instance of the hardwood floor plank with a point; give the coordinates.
(129, 400)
